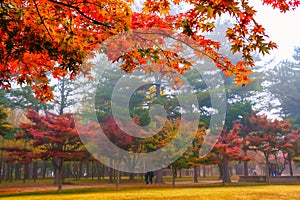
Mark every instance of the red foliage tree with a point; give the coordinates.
(53, 137)
(228, 148)
(267, 137)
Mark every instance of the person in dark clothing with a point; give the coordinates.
(150, 175)
(146, 175)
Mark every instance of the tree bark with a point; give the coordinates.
(196, 168)
(224, 172)
(26, 172)
(204, 171)
(80, 169)
(58, 165)
(159, 176)
(246, 168)
(18, 171)
(1, 163)
(34, 171)
(44, 169)
(245, 163)
(111, 175)
(290, 165)
(117, 180)
(131, 177)
(3, 170)
(11, 172)
(267, 168)
(174, 175)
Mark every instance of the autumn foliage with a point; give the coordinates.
(42, 37)
(50, 137)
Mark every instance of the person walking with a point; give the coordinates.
(146, 175)
(150, 175)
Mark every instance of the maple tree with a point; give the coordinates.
(227, 148)
(53, 137)
(289, 146)
(269, 138)
(90, 135)
(39, 37)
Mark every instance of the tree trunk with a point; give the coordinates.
(290, 165)
(7, 172)
(246, 168)
(58, 165)
(196, 168)
(117, 180)
(55, 177)
(159, 176)
(34, 171)
(230, 170)
(44, 169)
(174, 175)
(245, 163)
(224, 172)
(26, 172)
(1, 163)
(18, 171)
(98, 167)
(59, 179)
(131, 177)
(111, 175)
(267, 168)
(92, 170)
(111, 171)
(3, 170)
(80, 169)
(11, 172)
(204, 171)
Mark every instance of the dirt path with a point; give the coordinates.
(44, 187)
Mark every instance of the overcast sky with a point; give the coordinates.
(282, 28)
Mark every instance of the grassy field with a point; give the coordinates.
(234, 192)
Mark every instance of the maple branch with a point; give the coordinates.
(155, 44)
(186, 43)
(42, 20)
(81, 13)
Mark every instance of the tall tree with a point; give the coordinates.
(64, 98)
(284, 85)
(23, 97)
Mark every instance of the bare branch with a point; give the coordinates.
(42, 20)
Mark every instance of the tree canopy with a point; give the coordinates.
(39, 38)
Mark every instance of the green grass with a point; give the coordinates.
(230, 192)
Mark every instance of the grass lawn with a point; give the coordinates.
(231, 192)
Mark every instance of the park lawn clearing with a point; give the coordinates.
(262, 192)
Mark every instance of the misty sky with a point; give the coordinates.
(282, 28)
